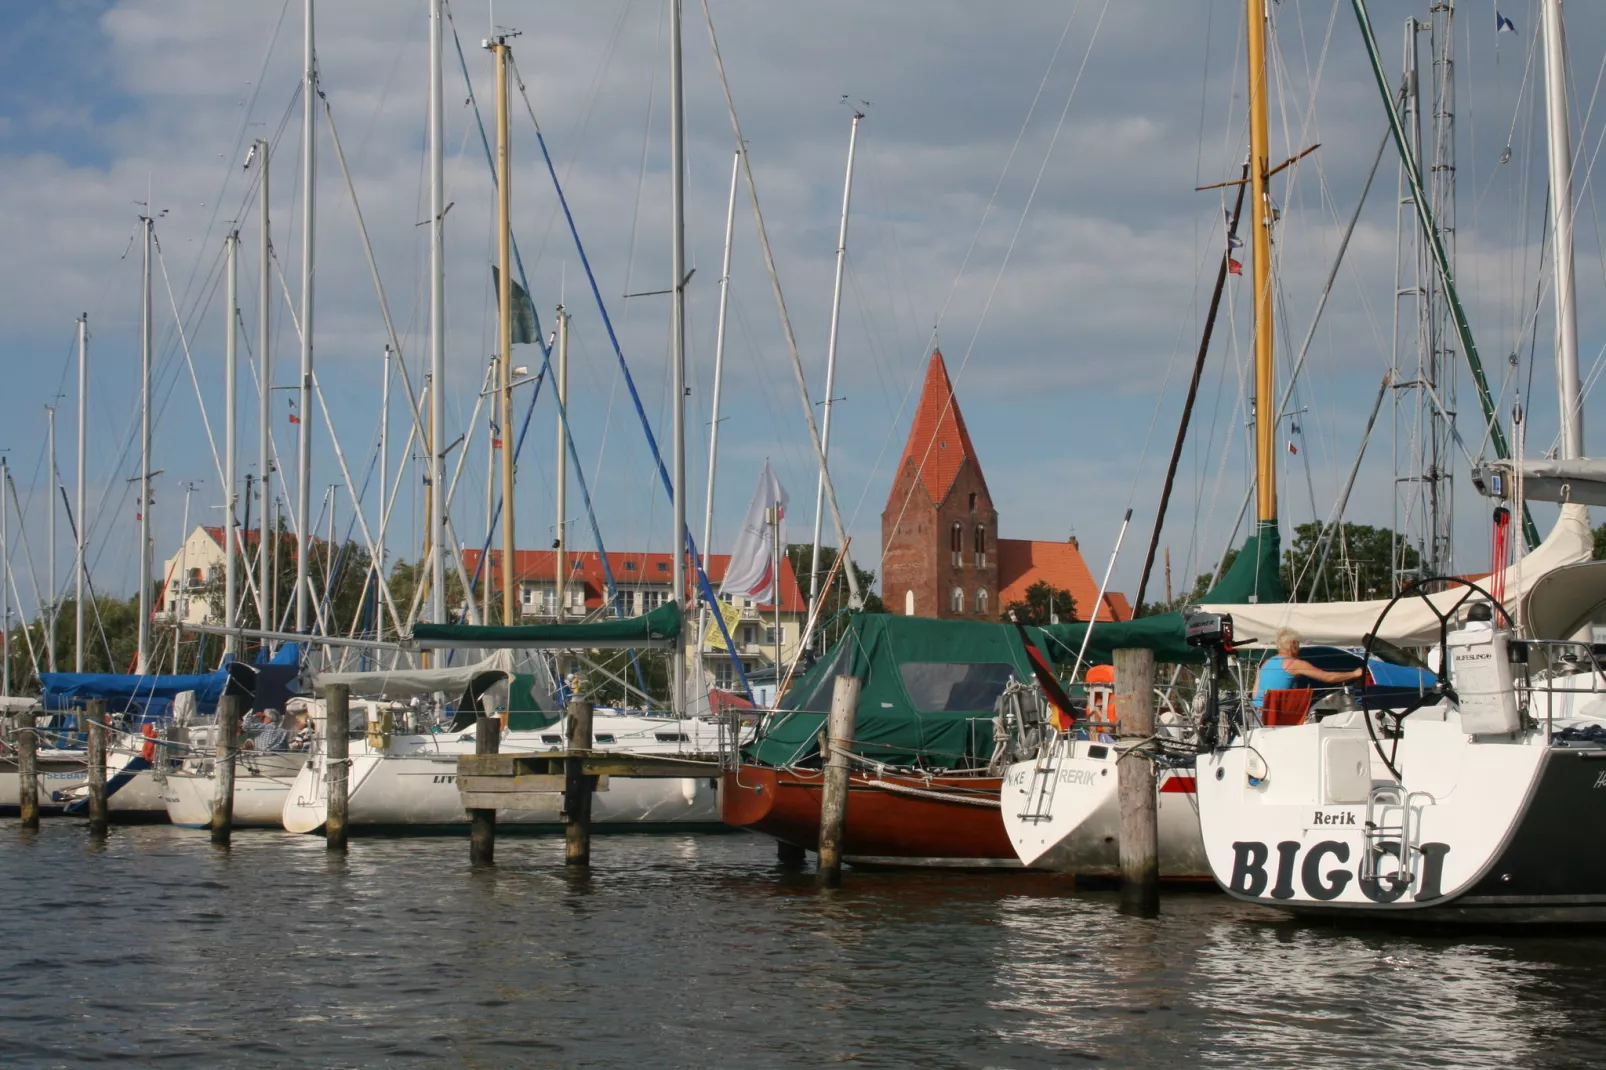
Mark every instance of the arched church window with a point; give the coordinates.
(956, 544)
(981, 546)
(956, 600)
(908, 603)
(981, 600)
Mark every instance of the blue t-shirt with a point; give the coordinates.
(1273, 677)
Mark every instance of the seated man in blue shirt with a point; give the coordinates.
(1288, 670)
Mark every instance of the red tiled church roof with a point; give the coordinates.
(938, 441)
(629, 570)
(1022, 562)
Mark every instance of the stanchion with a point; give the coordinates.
(834, 800)
(482, 822)
(95, 715)
(1140, 818)
(577, 788)
(228, 727)
(337, 764)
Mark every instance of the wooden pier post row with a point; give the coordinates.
(834, 801)
(482, 821)
(1140, 819)
(95, 716)
(577, 787)
(27, 746)
(337, 762)
(228, 728)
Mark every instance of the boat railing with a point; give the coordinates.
(1551, 661)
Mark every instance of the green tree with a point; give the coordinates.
(1044, 604)
(835, 597)
(1359, 563)
(1600, 543)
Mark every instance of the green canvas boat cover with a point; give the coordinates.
(658, 628)
(1253, 577)
(927, 697)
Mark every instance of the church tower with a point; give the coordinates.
(939, 531)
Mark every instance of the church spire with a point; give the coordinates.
(938, 442)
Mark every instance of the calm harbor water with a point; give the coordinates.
(158, 950)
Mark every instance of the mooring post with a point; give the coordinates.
(577, 787)
(482, 823)
(1140, 812)
(27, 770)
(228, 727)
(337, 764)
(834, 801)
(95, 715)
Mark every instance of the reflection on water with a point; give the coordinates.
(700, 951)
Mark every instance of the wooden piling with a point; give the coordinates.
(834, 801)
(27, 745)
(1139, 799)
(577, 787)
(337, 763)
(228, 728)
(482, 823)
(95, 716)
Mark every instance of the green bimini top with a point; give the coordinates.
(1253, 577)
(927, 697)
(659, 628)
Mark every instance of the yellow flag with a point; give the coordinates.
(732, 615)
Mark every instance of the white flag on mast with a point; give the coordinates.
(752, 567)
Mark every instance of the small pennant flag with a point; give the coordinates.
(524, 331)
(1234, 242)
(1234, 267)
(1292, 448)
(294, 418)
(1503, 24)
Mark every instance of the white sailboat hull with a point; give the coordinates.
(261, 785)
(1063, 813)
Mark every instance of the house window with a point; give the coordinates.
(981, 600)
(908, 603)
(725, 674)
(981, 546)
(663, 566)
(527, 594)
(630, 566)
(956, 600)
(956, 544)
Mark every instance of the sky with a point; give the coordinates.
(1024, 195)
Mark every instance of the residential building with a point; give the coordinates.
(941, 555)
(194, 574)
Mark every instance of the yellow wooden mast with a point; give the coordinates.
(1260, 207)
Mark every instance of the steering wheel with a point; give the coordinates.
(1443, 688)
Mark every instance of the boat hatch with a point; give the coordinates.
(552, 737)
(671, 737)
(604, 737)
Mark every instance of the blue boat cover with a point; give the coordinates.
(151, 695)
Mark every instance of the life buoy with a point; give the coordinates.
(148, 751)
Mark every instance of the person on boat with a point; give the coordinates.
(303, 737)
(267, 734)
(1288, 671)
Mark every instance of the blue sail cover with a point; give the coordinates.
(149, 697)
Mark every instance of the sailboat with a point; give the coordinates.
(1476, 799)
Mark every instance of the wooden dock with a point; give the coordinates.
(536, 781)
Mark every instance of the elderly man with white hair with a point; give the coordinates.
(1288, 669)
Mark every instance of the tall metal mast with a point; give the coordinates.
(830, 360)
(5, 577)
(309, 95)
(719, 383)
(79, 562)
(143, 649)
(561, 572)
(437, 321)
(504, 349)
(1561, 212)
(50, 607)
(231, 594)
(1260, 204)
(1439, 347)
(265, 541)
(384, 485)
(677, 275)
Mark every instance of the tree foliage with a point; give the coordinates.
(1044, 604)
(1360, 563)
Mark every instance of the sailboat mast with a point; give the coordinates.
(1561, 214)
(79, 563)
(1260, 205)
(677, 275)
(561, 588)
(309, 95)
(143, 647)
(264, 401)
(5, 577)
(719, 383)
(384, 482)
(437, 321)
(231, 594)
(55, 481)
(504, 350)
(830, 359)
